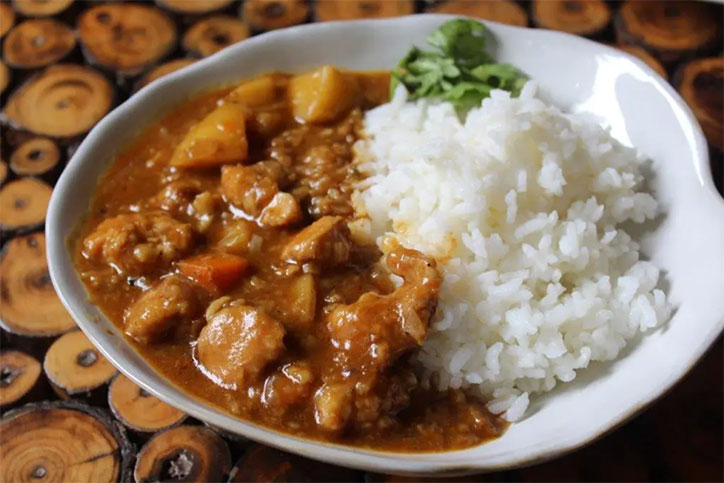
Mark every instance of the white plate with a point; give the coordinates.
(574, 73)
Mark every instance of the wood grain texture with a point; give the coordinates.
(680, 437)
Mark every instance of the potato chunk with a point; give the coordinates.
(219, 138)
(255, 92)
(238, 343)
(323, 95)
(302, 301)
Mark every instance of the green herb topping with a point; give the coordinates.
(458, 70)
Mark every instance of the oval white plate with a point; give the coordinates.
(577, 74)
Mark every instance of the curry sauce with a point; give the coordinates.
(220, 244)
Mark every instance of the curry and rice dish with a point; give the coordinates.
(390, 266)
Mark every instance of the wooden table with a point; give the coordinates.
(680, 437)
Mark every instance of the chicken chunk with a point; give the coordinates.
(325, 242)
(362, 398)
(333, 403)
(282, 210)
(159, 310)
(369, 336)
(138, 243)
(251, 188)
(238, 343)
(376, 329)
(288, 386)
(177, 195)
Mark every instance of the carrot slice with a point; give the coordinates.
(214, 271)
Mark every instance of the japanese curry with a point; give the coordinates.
(219, 244)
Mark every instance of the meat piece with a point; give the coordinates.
(333, 404)
(238, 343)
(251, 188)
(162, 308)
(186, 198)
(177, 195)
(281, 211)
(288, 386)
(369, 336)
(325, 242)
(362, 398)
(139, 243)
(376, 329)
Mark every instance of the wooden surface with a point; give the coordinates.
(679, 438)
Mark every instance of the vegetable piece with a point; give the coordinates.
(236, 236)
(303, 304)
(256, 92)
(323, 95)
(219, 138)
(459, 70)
(215, 271)
(375, 87)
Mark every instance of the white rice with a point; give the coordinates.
(522, 205)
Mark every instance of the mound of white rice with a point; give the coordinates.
(522, 205)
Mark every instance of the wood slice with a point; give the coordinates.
(580, 17)
(41, 8)
(274, 14)
(35, 156)
(126, 38)
(327, 10)
(701, 84)
(194, 7)
(20, 378)
(649, 59)
(262, 463)
(162, 70)
(74, 366)
(139, 410)
(4, 77)
(211, 34)
(37, 43)
(29, 305)
(23, 204)
(671, 30)
(3, 171)
(7, 18)
(63, 441)
(503, 11)
(185, 453)
(63, 101)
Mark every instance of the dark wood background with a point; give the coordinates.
(678, 438)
